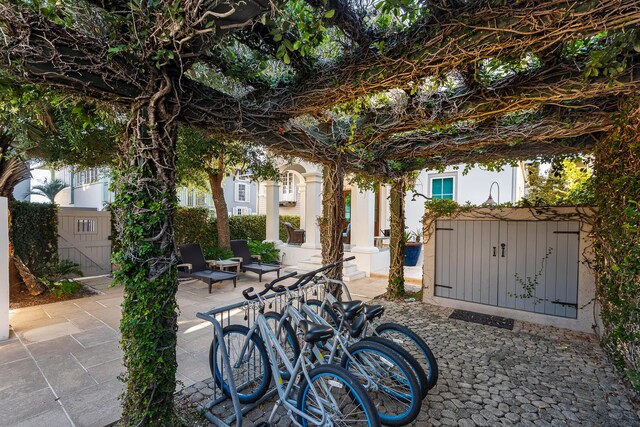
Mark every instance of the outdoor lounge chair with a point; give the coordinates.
(194, 266)
(241, 250)
(346, 234)
(295, 236)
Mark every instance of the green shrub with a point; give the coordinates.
(267, 250)
(34, 231)
(62, 287)
(57, 278)
(195, 225)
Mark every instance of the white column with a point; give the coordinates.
(363, 206)
(384, 207)
(313, 209)
(273, 212)
(302, 205)
(4, 269)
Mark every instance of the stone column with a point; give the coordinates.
(301, 200)
(4, 269)
(385, 218)
(273, 212)
(363, 205)
(313, 209)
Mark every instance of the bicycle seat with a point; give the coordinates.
(348, 309)
(373, 310)
(357, 326)
(314, 332)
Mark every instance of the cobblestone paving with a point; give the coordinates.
(531, 376)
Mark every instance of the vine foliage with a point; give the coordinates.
(617, 241)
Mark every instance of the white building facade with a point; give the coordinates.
(89, 188)
(299, 192)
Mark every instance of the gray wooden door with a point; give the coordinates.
(84, 238)
(523, 265)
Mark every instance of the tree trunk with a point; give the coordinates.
(28, 279)
(396, 241)
(144, 209)
(222, 215)
(331, 221)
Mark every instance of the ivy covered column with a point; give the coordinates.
(396, 241)
(332, 219)
(144, 207)
(617, 240)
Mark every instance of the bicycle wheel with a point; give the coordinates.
(287, 339)
(415, 345)
(421, 376)
(337, 394)
(327, 313)
(388, 379)
(251, 371)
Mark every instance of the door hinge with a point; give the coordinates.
(566, 232)
(445, 229)
(443, 286)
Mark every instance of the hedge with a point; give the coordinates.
(34, 232)
(195, 225)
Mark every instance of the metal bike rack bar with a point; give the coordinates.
(221, 317)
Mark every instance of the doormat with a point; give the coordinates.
(483, 319)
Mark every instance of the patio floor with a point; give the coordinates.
(61, 363)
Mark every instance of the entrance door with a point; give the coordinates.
(522, 265)
(83, 237)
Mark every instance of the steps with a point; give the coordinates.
(350, 270)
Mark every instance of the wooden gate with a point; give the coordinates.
(522, 265)
(84, 238)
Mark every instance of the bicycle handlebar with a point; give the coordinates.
(246, 293)
(306, 277)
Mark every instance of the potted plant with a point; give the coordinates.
(412, 247)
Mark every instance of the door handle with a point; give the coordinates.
(502, 245)
(494, 251)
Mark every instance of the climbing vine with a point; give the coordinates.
(617, 241)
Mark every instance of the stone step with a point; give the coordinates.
(350, 270)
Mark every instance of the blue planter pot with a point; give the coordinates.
(411, 254)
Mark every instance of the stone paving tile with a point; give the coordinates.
(99, 354)
(19, 379)
(107, 371)
(94, 406)
(532, 376)
(65, 375)
(12, 350)
(95, 336)
(25, 408)
(54, 417)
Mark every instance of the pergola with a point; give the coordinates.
(452, 81)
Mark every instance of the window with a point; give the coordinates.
(88, 176)
(85, 226)
(189, 198)
(242, 192)
(287, 187)
(442, 188)
(241, 210)
(200, 199)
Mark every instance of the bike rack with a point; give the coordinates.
(247, 312)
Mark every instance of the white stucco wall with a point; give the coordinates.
(472, 187)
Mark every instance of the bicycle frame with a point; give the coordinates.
(273, 346)
(333, 344)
